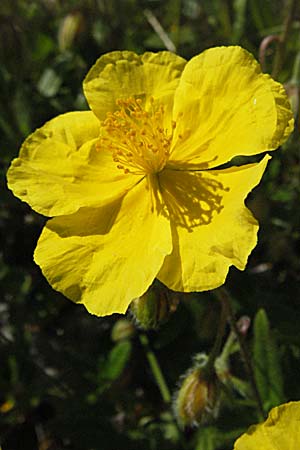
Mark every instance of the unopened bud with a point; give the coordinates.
(70, 28)
(243, 325)
(6, 406)
(154, 307)
(122, 329)
(197, 399)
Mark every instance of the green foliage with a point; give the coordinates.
(64, 384)
(112, 367)
(267, 363)
(212, 438)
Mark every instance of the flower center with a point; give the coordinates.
(136, 138)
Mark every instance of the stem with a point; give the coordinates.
(280, 51)
(161, 383)
(176, 23)
(224, 296)
(227, 349)
(264, 45)
(210, 367)
(157, 27)
(156, 370)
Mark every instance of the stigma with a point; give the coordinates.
(136, 137)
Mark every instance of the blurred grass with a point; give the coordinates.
(61, 385)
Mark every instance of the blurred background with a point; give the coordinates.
(69, 380)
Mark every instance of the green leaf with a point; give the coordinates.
(44, 45)
(212, 438)
(115, 363)
(49, 83)
(240, 20)
(208, 438)
(267, 367)
(22, 111)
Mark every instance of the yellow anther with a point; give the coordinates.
(136, 137)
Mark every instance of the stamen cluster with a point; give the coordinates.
(136, 137)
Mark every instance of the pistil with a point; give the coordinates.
(136, 138)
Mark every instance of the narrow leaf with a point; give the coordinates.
(267, 368)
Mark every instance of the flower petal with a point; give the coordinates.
(212, 229)
(124, 74)
(106, 257)
(59, 170)
(281, 431)
(228, 108)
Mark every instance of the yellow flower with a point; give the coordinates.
(134, 185)
(281, 431)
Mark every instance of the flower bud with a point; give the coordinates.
(6, 406)
(69, 30)
(122, 329)
(154, 307)
(197, 399)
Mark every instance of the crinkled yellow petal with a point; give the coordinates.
(124, 74)
(281, 431)
(105, 257)
(59, 170)
(211, 227)
(225, 106)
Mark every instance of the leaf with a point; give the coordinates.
(49, 83)
(240, 20)
(267, 367)
(212, 438)
(22, 111)
(44, 45)
(115, 363)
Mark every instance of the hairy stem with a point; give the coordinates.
(156, 370)
(161, 383)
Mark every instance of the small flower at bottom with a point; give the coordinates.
(281, 431)
(133, 186)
